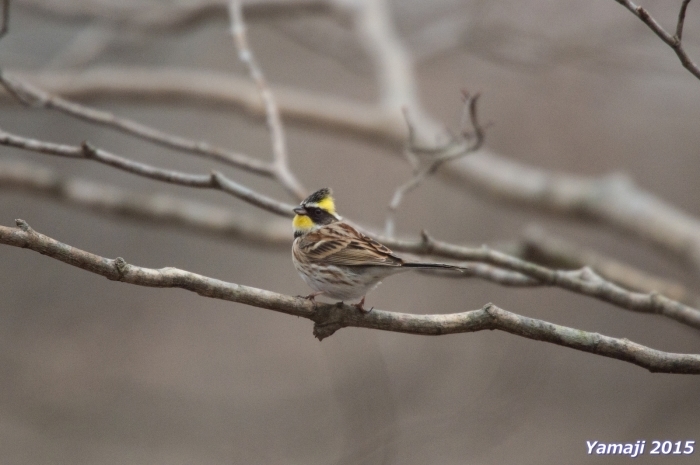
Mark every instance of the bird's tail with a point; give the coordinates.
(443, 266)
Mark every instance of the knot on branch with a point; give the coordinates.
(489, 310)
(426, 241)
(89, 150)
(330, 318)
(657, 301)
(121, 266)
(23, 225)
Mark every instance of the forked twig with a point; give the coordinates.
(673, 41)
(425, 161)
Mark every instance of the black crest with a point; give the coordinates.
(319, 195)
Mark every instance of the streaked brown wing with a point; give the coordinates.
(341, 244)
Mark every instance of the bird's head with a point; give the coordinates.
(315, 211)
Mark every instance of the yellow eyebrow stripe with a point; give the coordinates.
(328, 205)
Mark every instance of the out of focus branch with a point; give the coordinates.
(35, 97)
(425, 162)
(218, 90)
(214, 180)
(329, 318)
(583, 281)
(554, 252)
(611, 200)
(274, 122)
(673, 41)
(161, 16)
(159, 209)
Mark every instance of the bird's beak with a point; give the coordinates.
(300, 210)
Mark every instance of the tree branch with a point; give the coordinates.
(612, 200)
(215, 180)
(673, 41)
(555, 252)
(35, 97)
(157, 209)
(274, 122)
(584, 281)
(155, 15)
(469, 141)
(329, 318)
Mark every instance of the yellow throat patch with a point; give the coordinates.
(302, 223)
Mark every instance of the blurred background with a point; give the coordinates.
(99, 372)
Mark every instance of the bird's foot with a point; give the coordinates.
(311, 296)
(361, 306)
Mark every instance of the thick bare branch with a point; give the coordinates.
(673, 41)
(87, 151)
(329, 318)
(274, 122)
(159, 209)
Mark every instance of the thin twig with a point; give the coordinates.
(274, 122)
(329, 318)
(673, 41)
(468, 142)
(33, 96)
(681, 20)
(214, 180)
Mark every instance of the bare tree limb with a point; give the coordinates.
(554, 252)
(468, 142)
(36, 97)
(217, 89)
(394, 67)
(329, 318)
(159, 209)
(214, 180)
(673, 41)
(157, 15)
(274, 122)
(584, 281)
(611, 200)
(211, 220)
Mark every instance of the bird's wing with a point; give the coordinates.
(341, 244)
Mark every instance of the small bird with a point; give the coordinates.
(337, 260)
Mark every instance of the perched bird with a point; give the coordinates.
(337, 260)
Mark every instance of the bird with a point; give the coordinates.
(337, 260)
